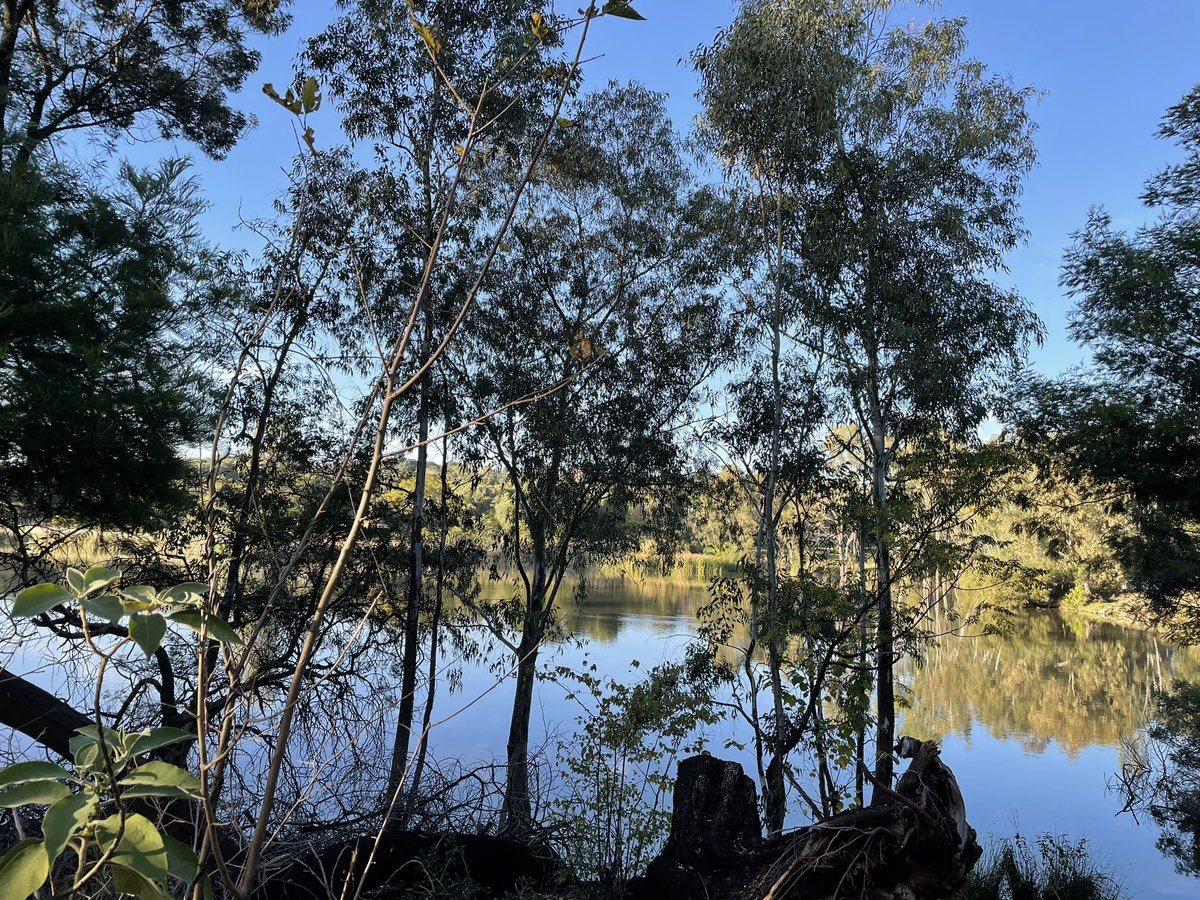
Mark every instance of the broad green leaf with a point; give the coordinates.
(63, 820)
(98, 577)
(23, 869)
(190, 593)
(140, 849)
(218, 628)
(160, 779)
(76, 581)
(147, 631)
(86, 754)
(41, 792)
(159, 737)
(142, 592)
(622, 9)
(32, 771)
(129, 881)
(106, 606)
(85, 746)
(181, 860)
(33, 601)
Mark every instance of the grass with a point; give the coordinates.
(1052, 868)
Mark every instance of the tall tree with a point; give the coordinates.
(390, 84)
(596, 332)
(905, 161)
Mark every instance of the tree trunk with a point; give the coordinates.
(885, 698)
(914, 843)
(416, 569)
(38, 714)
(516, 816)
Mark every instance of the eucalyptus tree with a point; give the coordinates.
(595, 332)
(751, 77)
(913, 209)
(389, 79)
(904, 161)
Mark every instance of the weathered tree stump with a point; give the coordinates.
(913, 842)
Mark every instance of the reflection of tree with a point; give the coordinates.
(1160, 775)
(1049, 678)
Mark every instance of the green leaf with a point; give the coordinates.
(147, 631)
(189, 593)
(106, 606)
(63, 820)
(85, 746)
(128, 881)
(622, 9)
(20, 773)
(181, 860)
(76, 581)
(160, 779)
(140, 849)
(159, 737)
(23, 869)
(218, 628)
(143, 593)
(41, 792)
(33, 601)
(98, 577)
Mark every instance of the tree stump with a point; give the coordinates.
(913, 842)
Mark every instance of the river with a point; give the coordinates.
(1031, 721)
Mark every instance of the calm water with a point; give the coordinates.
(1031, 722)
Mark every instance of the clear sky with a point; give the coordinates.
(1109, 68)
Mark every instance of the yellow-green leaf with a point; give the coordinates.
(23, 869)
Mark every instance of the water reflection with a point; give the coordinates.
(1051, 678)
(1032, 720)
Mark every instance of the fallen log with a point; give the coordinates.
(911, 842)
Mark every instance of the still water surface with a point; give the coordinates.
(1031, 722)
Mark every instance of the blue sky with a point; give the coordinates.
(1109, 69)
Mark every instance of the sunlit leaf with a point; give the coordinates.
(63, 820)
(41, 792)
(140, 849)
(106, 606)
(160, 779)
(33, 601)
(159, 737)
(23, 869)
(21, 773)
(98, 577)
(187, 593)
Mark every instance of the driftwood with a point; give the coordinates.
(912, 842)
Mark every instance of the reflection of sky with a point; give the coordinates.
(1012, 783)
